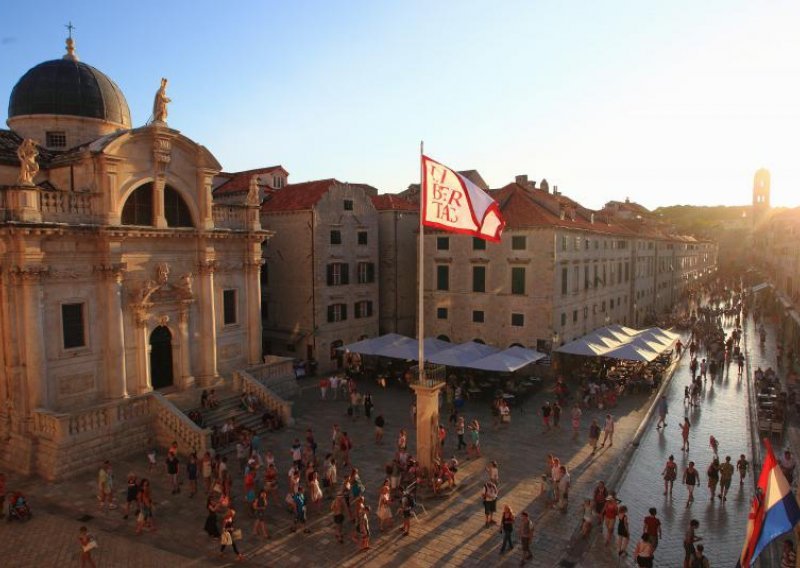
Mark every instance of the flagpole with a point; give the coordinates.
(421, 270)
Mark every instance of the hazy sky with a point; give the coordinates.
(663, 102)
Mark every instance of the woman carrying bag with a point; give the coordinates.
(230, 535)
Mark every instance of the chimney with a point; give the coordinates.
(591, 218)
(555, 190)
(521, 179)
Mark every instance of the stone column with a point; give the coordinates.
(427, 423)
(207, 330)
(252, 268)
(116, 375)
(32, 329)
(141, 382)
(186, 379)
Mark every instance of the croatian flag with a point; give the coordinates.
(452, 202)
(774, 510)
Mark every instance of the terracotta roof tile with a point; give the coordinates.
(388, 201)
(297, 196)
(239, 182)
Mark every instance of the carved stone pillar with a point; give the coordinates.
(252, 270)
(186, 378)
(141, 382)
(114, 349)
(32, 329)
(207, 330)
(427, 424)
(205, 200)
(162, 154)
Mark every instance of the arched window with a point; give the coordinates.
(443, 338)
(516, 345)
(479, 340)
(175, 210)
(138, 209)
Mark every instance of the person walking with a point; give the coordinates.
(489, 502)
(644, 552)
(741, 467)
(609, 515)
(685, 427)
(88, 543)
(525, 537)
(260, 512)
(623, 531)
(594, 434)
(338, 508)
(229, 535)
(652, 528)
(669, 474)
(211, 527)
(608, 431)
(575, 415)
(145, 517)
(546, 412)
(507, 528)
(461, 429)
(131, 494)
(713, 477)
(407, 503)
(662, 413)
(689, 540)
(725, 477)
(699, 560)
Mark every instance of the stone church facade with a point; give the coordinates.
(119, 274)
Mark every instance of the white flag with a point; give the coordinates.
(452, 202)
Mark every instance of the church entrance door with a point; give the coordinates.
(161, 357)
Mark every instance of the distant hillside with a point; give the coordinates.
(700, 221)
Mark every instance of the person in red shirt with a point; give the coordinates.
(652, 528)
(609, 514)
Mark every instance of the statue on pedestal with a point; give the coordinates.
(27, 154)
(253, 193)
(160, 102)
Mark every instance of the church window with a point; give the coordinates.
(175, 210)
(138, 209)
(72, 325)
(56, 139)
(229, 307)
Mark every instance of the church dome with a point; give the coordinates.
(69, 87)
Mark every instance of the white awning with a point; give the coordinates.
(508, 361)
(374, 345)
(408, 349)
(630, 352)
(463, 354)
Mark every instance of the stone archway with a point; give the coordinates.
(161, 370)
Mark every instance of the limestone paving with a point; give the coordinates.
(449, 530)
(723, 413)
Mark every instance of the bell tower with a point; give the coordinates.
(760, 194)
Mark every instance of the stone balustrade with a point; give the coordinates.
(277, 374)
(243, 381)
(66, 206)
(229, 217)
(173, 425)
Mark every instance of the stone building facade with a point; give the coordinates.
(322, 270)
(119, 275)
(560, 271)
(398, 225)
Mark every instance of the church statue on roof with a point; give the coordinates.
(160, 102)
